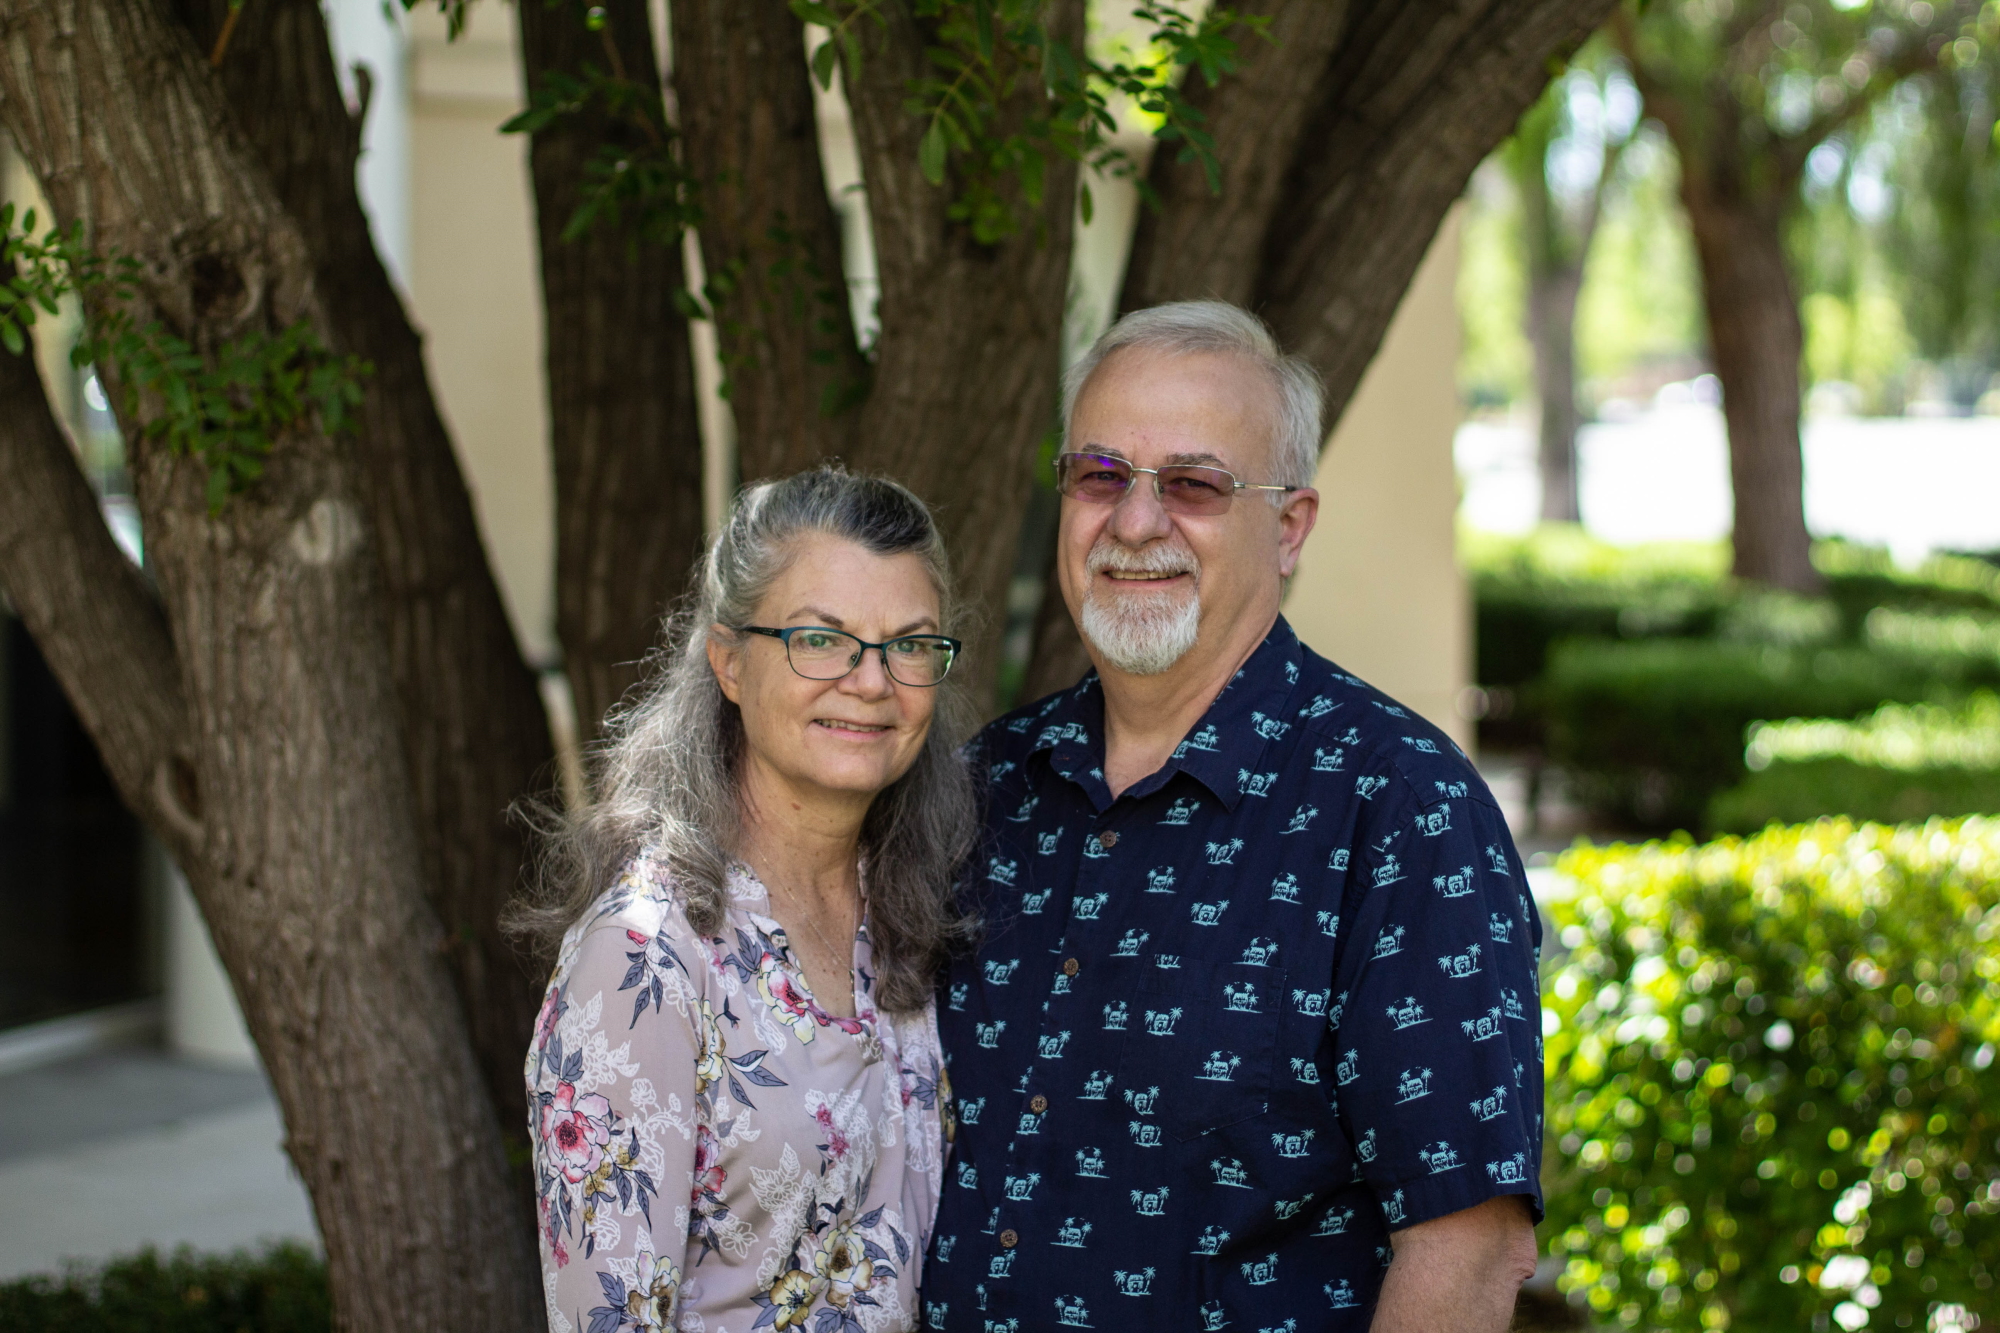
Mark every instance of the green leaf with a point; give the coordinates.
(930, 154)
(689, 304)
(1084, 205)
(10, 333)
(825, 59)
(819, 14)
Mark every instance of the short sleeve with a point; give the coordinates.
(612, 1096)
(1437, 1069)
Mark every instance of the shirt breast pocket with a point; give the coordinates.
(1201, 1048)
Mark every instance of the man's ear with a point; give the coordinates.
(724, 660)
(1295, 523)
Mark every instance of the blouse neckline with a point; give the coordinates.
(749, 893)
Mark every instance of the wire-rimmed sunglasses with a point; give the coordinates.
(819, 653)
(1183, 488)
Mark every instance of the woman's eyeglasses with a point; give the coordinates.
(1183, 488)
(818, 653)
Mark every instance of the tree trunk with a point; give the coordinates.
(297, 831)
(473, 729)
(971, 344)
(1552, 334)
(1347, 142)
(770, 239)
(1754, 333)
(622, 421)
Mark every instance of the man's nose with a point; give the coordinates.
(1139, 517)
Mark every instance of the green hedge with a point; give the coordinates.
(1772, 1100)
(282, 1290)
(1649, 732)
(1898, 765)
(1532, 593)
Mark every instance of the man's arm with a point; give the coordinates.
(1459, 1273)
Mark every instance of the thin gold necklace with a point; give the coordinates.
(839, 955)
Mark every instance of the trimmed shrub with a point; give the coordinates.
(1557, 583)
(1649, 732)
(282, 1290)
(1900, 764)
(1772, 1100)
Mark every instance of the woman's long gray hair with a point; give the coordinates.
(667, 776)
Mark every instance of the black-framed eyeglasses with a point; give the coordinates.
(819, 653)
(1183, 488)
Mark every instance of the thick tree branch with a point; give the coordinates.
(1414, 99)
(92, 614)
(770, 239)
(1202, 242)
(622, 421)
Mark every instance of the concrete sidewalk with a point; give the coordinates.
(109, 1152)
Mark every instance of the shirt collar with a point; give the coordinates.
(1222, 752)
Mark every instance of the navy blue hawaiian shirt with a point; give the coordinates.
(1225, 1033)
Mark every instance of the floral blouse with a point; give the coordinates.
(715, 1152)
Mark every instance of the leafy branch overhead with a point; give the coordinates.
(988, 54)
(225, 409)
(991, 54)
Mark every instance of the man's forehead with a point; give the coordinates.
(1190, 407)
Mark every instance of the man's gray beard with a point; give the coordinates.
(1142, 636)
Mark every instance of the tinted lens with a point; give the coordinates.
(922, 659)
(1094, 478)
(823, 654)
(1196, 490)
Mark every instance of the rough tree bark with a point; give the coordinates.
(622, 422)
(318, 904)
(472, 723)
(1331, 201)
(770, 238)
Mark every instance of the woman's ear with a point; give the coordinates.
(723, 661)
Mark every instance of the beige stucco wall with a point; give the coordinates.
(475, 292)
(1379, 589)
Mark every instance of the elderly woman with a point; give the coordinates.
(736, 1098)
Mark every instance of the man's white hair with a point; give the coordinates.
(1184, 327)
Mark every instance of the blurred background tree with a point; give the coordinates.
(1747, 92)
(1564, 160)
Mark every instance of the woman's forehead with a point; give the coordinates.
(848, 584)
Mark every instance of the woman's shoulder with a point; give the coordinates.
(641, 902)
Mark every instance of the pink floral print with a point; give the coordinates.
(810, 1147)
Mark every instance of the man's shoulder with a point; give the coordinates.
(1340, 708)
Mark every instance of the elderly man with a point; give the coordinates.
(1251, 1035)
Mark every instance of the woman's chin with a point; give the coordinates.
(858, 775)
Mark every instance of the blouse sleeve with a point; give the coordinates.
(616, 1131)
